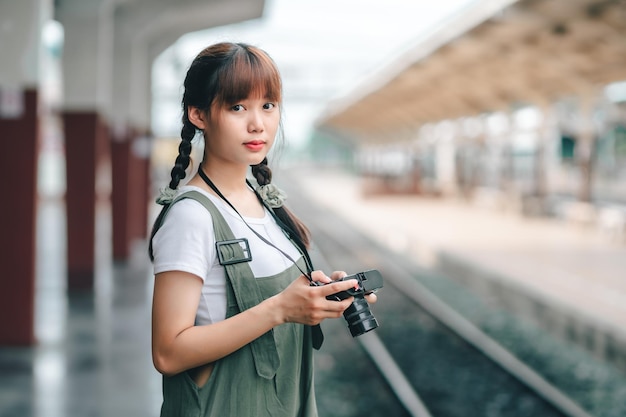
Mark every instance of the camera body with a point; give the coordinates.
(360, 319)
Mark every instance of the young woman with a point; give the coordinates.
(233, 307)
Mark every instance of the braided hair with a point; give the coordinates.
(224, 74)
(263, 175)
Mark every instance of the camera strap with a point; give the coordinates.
(316, 330)
(280, 223)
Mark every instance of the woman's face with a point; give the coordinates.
(242, 133)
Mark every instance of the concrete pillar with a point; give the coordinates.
(131, 120)
(88, 185)
(535, 203)
(87, 85)
(20, 99)
(18, 162)
(585, 147)
(507, 168)
(546, 136)
(446, 151)
(131, 191)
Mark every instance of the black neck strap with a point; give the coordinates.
(280, 223)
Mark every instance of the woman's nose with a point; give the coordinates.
(255, 122)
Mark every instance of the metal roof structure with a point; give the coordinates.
(494, 55)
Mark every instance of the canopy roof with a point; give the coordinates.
(492, 56)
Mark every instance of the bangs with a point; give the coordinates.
(251, 73)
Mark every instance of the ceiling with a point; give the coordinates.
(493, 56)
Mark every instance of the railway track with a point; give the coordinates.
(425, 359)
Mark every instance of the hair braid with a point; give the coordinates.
(188, 132)
(263, 175)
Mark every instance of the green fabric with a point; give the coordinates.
(272, 376)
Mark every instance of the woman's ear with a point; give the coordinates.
(196, 117)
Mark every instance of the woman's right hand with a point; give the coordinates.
(302, 303)
(175, 337)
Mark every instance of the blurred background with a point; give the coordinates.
(474, 151)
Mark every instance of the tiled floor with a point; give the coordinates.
(93, 351)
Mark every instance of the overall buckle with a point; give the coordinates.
(228, 255)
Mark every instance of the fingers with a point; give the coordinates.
(338, 286)
(371, 298)
(319, 276)
(336, 275)
(332, 287)
(334, 309)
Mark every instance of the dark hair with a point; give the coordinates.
(220, 76)
(263, 175)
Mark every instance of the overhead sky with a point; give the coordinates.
(324, 49)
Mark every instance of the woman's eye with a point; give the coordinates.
(268, 106)
(237, 107)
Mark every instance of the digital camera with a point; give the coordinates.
(360, 319)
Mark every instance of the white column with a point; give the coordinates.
(21, 24)
(445, 157)
(87, 54)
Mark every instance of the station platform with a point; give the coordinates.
(568, 277)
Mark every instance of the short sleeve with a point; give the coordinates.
(186, 241)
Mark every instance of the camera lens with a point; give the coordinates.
(360, 319)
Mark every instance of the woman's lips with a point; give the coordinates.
(255, 145)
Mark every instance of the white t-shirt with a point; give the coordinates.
(186, 242)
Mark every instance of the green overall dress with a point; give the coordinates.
(271, 376)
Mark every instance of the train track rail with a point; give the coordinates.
(436, 362)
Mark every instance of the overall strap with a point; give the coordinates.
(241, 279)
(316, 330)
(228, 249)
